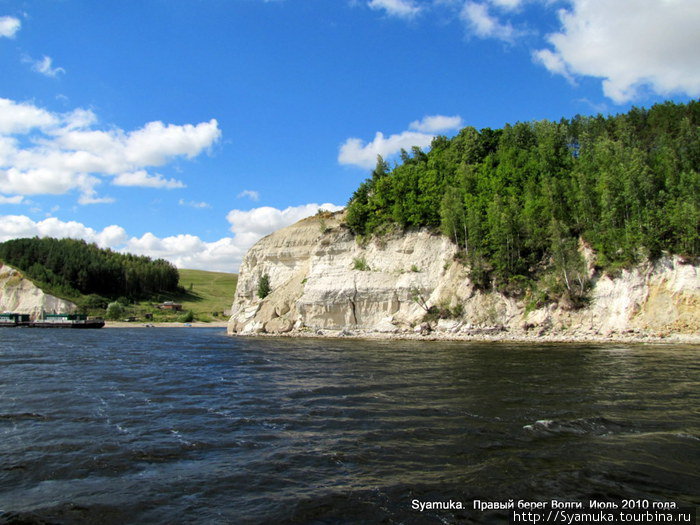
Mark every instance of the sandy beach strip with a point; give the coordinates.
(141, 324)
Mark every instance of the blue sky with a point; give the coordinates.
(187, 129)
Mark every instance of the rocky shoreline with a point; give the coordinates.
(629, 337)
(323, 281)
(493, 335)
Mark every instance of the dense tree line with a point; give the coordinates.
(70, 265)
(519, 200)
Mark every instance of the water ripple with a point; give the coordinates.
(191, 426)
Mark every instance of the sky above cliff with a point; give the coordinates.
(188, 129)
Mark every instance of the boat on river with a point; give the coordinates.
(50, 321)
(67, 321)
(14, 319)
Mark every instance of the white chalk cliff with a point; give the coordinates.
(19, 295)
(323, 279)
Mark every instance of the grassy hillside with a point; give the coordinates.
(208, 295)
(207, 292)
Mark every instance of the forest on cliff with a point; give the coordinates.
(521, 201)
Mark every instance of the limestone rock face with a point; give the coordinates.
(20, 295)
(322, 278)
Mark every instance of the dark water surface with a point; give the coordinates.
(192, 426)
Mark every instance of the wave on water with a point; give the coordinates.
(188, 426)
(598, 426)
(23, 416)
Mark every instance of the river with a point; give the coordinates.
(192, 426)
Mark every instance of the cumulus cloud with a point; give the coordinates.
(90, 197)
(630, 44)
(45, 66)
(482, 23)
(183, 250)
(189, 251)
(9, 25)
(143, 179)
(437, 124)
(19, 226)
(19, 118)
(16, 199)
(398, 8)
(264, 220)
(251, 194)
(42, 152)
(554, 62)
(356, 152)
(635, 47)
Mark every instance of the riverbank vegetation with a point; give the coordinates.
(115, 285)
(204, 297)
(73, 267)
(522, 201)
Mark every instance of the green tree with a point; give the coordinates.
(520, 199)
(115, 310)
(264, 286)
(453, 221)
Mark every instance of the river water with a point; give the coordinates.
(192, 426)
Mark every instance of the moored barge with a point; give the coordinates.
(67, 321)
(50, 321)
(13, 319)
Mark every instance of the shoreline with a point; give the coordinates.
(174, 324)
(501, 337)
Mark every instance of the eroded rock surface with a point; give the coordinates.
(323, 279)
(18, 294)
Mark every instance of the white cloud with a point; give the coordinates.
(17, 118)
(90, 197)
(44, 180)
(399, 8)
(194, 204)
(16, 199)
(630, 44)
(143, 179)
(554, 62)
(45, 66)
(635, 47)
(9, 25)
(507, 4)
(156, 142)
(19, 226)
(264, 220)
(483, 24)
(183, 250)
(53, 153)
(251, 194)
(356, 152)
(437, 124)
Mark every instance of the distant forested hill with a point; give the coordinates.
(517, 200)
(69, 266)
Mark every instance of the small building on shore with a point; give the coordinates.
(170, 305)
